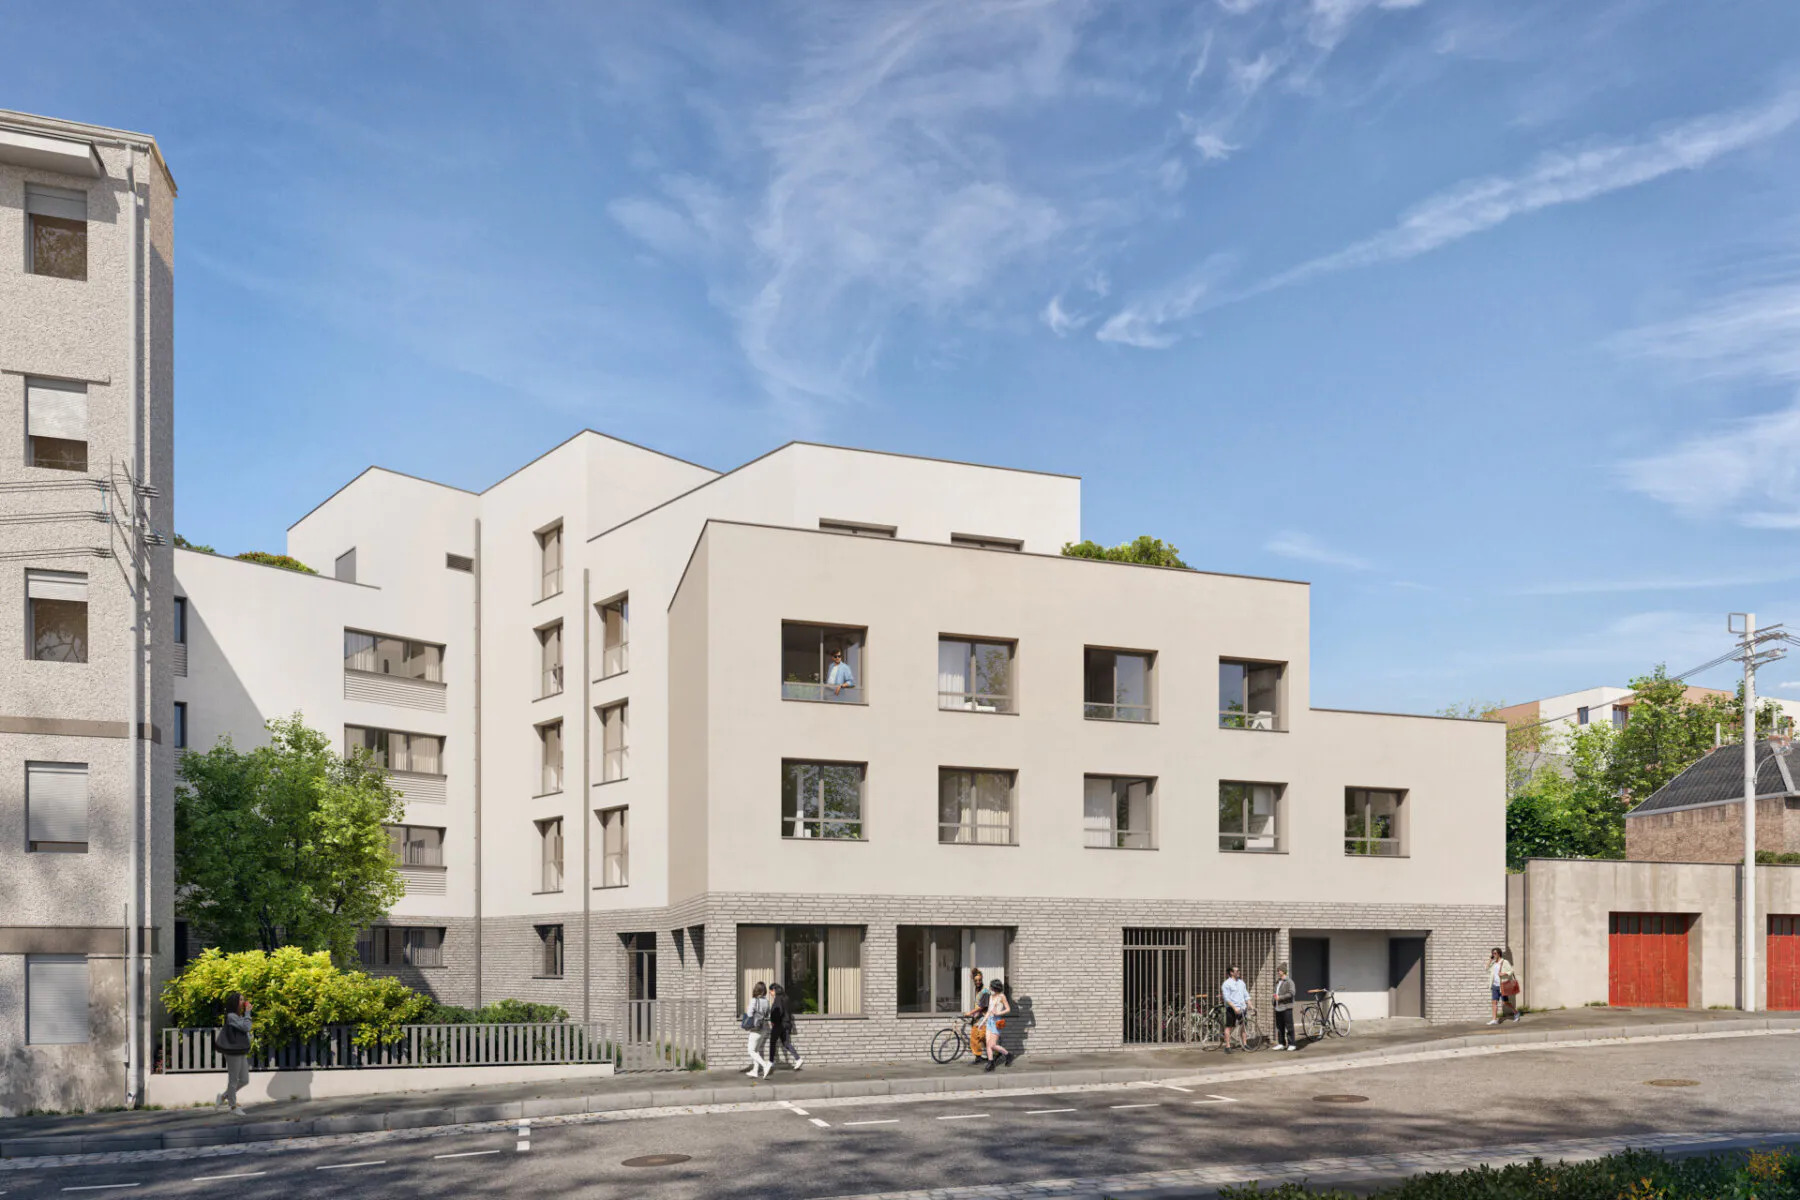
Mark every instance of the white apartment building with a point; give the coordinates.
(87, 730)
(605, 686)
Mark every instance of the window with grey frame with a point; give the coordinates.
(56, 611)
(1250, 816)
(179, 735)
(179, 622)
(401, 946)
(395, 750)
(550, 561)
(550, 854)
(819, 966)
(935, 962)
(615, 636)
(615, 846)
(615, 741)
(56, 231)
(550, 659)
(379, 654)
(822, 662)
(550, 757)
(1373, 825)
(56, 424)
(1117, 684)
(1119, 812)
(1250, 695)
(416, 845)
(550, 951)
(975, 675)
(822, 799)
(975, 808)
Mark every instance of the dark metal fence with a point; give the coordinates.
(1165, 969)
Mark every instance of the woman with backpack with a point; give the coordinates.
(755, 1022)
(999, 1005)
(233, 1041)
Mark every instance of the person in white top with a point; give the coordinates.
(1503, 985)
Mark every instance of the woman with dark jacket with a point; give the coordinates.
(781, 1026)
(233, 1041)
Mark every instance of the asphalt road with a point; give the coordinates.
(841, 1148)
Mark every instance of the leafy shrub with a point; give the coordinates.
(283, 561)
(500, 1012)
(1146, 549)
(296, 995)
(1634, 1175)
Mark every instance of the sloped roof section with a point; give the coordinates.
(1719, 778)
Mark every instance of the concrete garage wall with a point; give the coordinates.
(1561, 909)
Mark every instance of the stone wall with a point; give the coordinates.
(1714, 834)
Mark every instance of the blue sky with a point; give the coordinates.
(1484, 317)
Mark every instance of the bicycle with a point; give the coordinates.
(1209, 1027)
(1323, 1015)
(951, 1042)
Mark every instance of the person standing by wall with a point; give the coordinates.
(233, 1041)
(1496, 997)
(1236, 994)
(1508, 977)
(1284, 1009)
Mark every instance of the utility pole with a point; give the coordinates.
(1744, 625)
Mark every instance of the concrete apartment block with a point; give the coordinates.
(593, 856)
(86, 389)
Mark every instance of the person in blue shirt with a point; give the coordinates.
(839, 676)
(1236, 995)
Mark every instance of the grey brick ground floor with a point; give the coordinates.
(1065, 960)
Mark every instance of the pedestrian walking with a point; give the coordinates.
(1284, 1009)
(755, 1022)
(1236, 994)
(978, 1018)
(999, 1005)
(781, 1026)
(1504, 986)
(233, 1041)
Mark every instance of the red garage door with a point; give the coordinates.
(1784, 963)
(1649, 960)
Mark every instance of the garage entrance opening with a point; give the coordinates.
(1166, 968)
(1784, 964)
(1648, 960)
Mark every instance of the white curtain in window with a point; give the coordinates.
(426, 754)
(953, 674)
(756, 960)
(359, 651)
(843, 967)
(1097, 810)
(993, 808)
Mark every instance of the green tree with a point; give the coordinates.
(284, 845)
(1667, 732)
(1146, 549)
(285, 562)
(182, 543)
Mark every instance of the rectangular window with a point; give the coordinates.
(615, 748)
(820, 966)
(58, 240)
(936, 962)
(615, 636)
(550, 561)
(615, 847)
(378, 654)
(550, 659)
(56, 999)
(421, 947)
(1249, 695)
(975, 808)
(1581, 715)
(550, 758)
(180, 621)
(550, 855)
(976, 541)
(1119, 812)
(975, 676)
(1117, 685)
(858, 529)
(344, 569)
(56, 424)
(1620, 715)
(392, 750)
(822, 799)
(180, 738)
(1250, 816)
(57, 616)
(550, 951)
(822, 662)
(460, 562)
(56, 807)
(1372, 822)
(416, 845)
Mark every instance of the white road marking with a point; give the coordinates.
(522, 1147)
(847, 1124)
(962, 1117)
(821, 1124)
(1038, 1112)
(1151, 1104)
(373, 1162)
(464, 1154)
(1212, 1099)
(524, 1135)
(1174, 1088)
(216, 1178)
(98, 1187)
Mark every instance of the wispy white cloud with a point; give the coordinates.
(1753, 333)
(1294, 544)
(1145, 323)
(1060, 321)
(1748, 469)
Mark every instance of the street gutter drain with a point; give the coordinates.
(656, 1160)
(1671, 1083)
(1340, 1098)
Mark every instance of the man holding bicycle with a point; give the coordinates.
(1236, 995)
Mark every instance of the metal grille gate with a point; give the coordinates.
(1164, 969)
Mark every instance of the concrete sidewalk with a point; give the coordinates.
(106, 1132)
